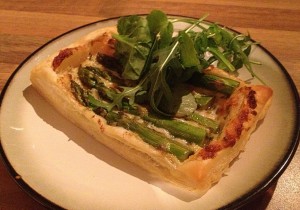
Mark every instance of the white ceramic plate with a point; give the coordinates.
(61, 166)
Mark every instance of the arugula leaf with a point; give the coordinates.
(183, 102)
(132, 55)
(229, 50)
(159, 24)
(159, 87)
(188, 54)
(157, 20)
(166, 35)
(158, 84)
(134, 27)
(223, 60)
(133, 45)
(157, 61)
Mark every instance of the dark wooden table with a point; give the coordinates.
(28, 24)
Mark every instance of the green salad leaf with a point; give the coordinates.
(133, 45)
(157, 59)
(160, 25)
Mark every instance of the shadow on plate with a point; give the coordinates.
(48, 114)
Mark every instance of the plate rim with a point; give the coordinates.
(243, 200)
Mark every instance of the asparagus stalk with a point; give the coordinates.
(151, 137)
(179, 129)
(91, 78)
(92, 75)
(148, 135)
(207, 122)
(80, 94)
(214, 82)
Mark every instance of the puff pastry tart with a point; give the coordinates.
(190, 143)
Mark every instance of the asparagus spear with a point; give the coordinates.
(214, 82)
(92, 75)
(151, 137)
(148, 135)
(179, 129)
(80, 94)
(91, 78)
(207, 122)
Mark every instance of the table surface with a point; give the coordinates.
(28, 24)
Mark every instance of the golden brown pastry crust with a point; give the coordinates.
(241, 112)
